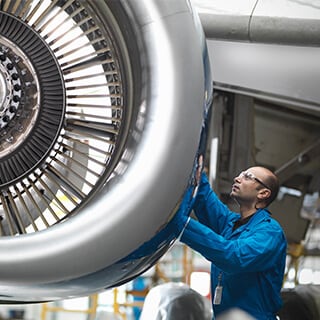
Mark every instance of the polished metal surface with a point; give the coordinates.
(264, 21)
(119, 99)
(281, 74)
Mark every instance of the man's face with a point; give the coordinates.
(248, 184)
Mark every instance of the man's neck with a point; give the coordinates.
(247, 211)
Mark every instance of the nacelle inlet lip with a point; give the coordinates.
(88, 251)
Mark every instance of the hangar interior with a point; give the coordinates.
(246, 128)
(265, 111)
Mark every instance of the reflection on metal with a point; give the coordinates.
(265, 21)
(281, 74)
(99, 129)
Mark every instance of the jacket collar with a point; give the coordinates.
(259, 216)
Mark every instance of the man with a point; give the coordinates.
(247, 250)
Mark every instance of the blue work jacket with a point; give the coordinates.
(250, 261)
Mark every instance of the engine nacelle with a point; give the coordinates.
(102, 108)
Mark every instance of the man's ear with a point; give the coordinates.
(263, 194)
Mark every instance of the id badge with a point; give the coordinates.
(217, 295)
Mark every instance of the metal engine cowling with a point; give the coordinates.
(102, 107)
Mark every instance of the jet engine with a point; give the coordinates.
(103, 105)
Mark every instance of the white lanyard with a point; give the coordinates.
(218, 291)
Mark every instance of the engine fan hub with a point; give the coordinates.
(32, 100)
(18, 97)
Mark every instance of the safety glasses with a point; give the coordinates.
(247, 175)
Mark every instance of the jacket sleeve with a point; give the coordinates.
(256, 252)
(209, 209)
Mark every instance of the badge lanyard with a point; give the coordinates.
(218, 291)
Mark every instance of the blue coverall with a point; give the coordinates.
(250, 261)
